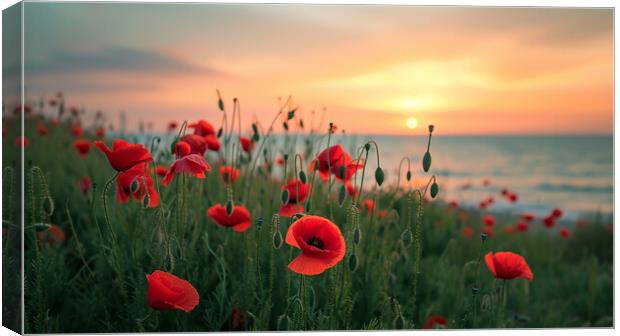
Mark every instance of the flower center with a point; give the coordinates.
(316, 242)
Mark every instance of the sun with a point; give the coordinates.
(412, 123)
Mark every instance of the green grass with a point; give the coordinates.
(88, 284)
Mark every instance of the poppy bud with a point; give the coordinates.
(407, 237)
(353, 262)
(357, 235)
(408, 175)
(342, 171)
(259, 223)
(316, 166)
(277, 240)
(40, 227)
(342, 193)
(302, 177)
(133, 187)
(285, 125)
(434, 189)
(399, 322)
(220, 131)
(220, 104)
(301, 124)
(483, 236)
(229, 207)
(255, 137)
(367, 147)
(296, 217)
(290, 115)
(285, 157)
(254, 128)
(48, 206)
(426, 162)
(173, 145)
(284, 197)
(146, 201)
(379, 176)
(475, 290)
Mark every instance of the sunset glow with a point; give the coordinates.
(468, 69)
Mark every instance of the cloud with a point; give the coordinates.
(114, 58)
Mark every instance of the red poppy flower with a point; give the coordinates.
(212, 142)
(320, 241)
(508, 266)
(193, 164)
(82, 146)
(488, 220)
(351, 190)
(297, 191)
(18, 109)
(382, 213)
(290, 209)
(42, 129)
(435, 322)
(453, 204)
(100, 132)
(161, 171)
(124, 155)
(172, 126)
(564, 232)
(468, 231)
(335, 157)
(504, 192)
(229, 174)
(168, 292)
(280, 161)
(54, 235)
(522, 226)
(144, 186)
(369, 205)
(197, 143)
(85, 184)
(21, 142)
(556, 213)
(483, 205)
(236, 321)
(488, 230)
(182, 149)
(77, 131)
(202, 128)
(528, 217)
(239, 220)
(490, 200)
(549, 221)
(247, 144)
(512, 197)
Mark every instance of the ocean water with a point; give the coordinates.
(574, 173)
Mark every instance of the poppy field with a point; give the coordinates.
(221, 228)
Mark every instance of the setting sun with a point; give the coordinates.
(412, 123)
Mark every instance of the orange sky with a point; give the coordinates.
(468, 70)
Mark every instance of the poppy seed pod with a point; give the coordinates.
(229, 207)
(48, 205)
(357, 235)
(342, 193)
(41, 227)
(284, 197)
(407, 237)
(379, 176)
(353, 262)
(426, 161)
(434, 189)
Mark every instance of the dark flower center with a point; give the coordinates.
(316, 242)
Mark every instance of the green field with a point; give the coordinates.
(95, 279)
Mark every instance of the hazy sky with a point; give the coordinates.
(465, 69)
